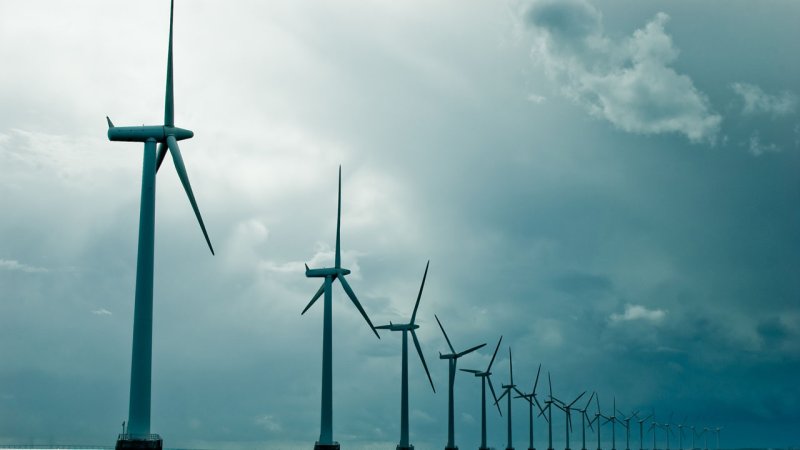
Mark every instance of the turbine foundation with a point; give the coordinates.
(410, 447)
(318, 446)
(149, 442)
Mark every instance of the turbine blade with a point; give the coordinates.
(169, 102)
(494, 396)
(569, 419)
(535, 383)
(550, 383)
(314, 298)
(510, 366)
(383, 327)
(471, 371)
(578, 398)
(181, 169)
(459, 355)
(338, 262)
(353, 298)
(495, 354)
(518, 391)
(162, 152)
(539, 405)
(445, 334)
(110, 125)
(590, 401)
(422, 358)
(419, 296)
(497, 400)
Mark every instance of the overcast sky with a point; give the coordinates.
(612, 186)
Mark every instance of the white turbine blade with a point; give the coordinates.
(445, 334)
(353, 298)
(169, 101)
(181, 169)
(422, 358)
(419, 296)
(495, 354)
(314, 298)
(470, 350)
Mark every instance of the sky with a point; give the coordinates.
(609, 185)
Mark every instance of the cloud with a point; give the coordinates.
(269, 423)
(629, 83)
(756, 101)
(638, 312)
(758, 148)
(536, 98)
(10, 264)
(101, 312)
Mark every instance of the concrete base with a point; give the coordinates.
(410, 447)
(451, 448)
(152, 442)
(318, 446)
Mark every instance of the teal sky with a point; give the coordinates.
(612, 186)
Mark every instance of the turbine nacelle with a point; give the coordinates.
(326, 272)
(398, 327)
(146, 133)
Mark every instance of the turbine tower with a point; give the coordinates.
(167, 135)
(508, 388)
(531, 398)
(405, 328)
(567, 408)
(485, 376)
(337, 272)
(452, 360)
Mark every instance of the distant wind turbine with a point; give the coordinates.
(680, 433)
(405, 328)
(337, 272)
(717, 430)
(641, 432)
(613, 420)
(508, 388)
(486, 376)
(626, 422)
(166, 136)
(548, 406)
(584, 418)
(452, 360)
(531, 398)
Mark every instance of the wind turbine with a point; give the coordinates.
(666, 426)
(166, 136)
(653, 427)
(337, 272)
(508, 388)
(694, 434)
(531, 398)
(626, 422)
(641, 433)
(705, 432)
(452, 360)
(717, 430)
(680, 433)
(567, 408)
(585, 416)
(597, 416)
(613, 420)
(405, 328)
(549, 408)
(484, 376)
